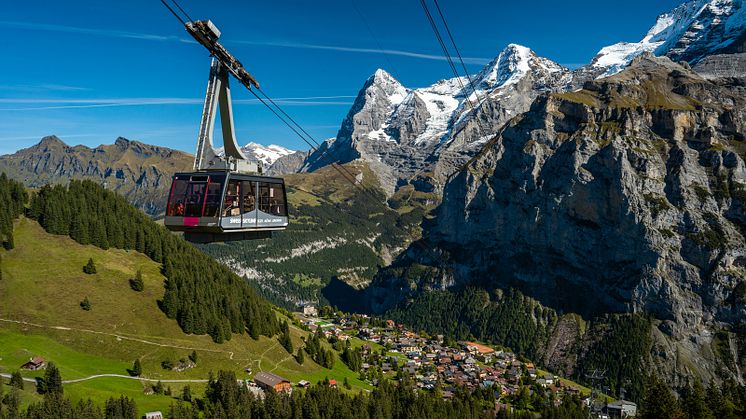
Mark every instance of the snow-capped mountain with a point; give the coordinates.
(690, 32)
(267, 155)
(403, 133)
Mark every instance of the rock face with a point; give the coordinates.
(626, 196)
(419, 136)
(722, 65)
(290, 163)
(140, 172)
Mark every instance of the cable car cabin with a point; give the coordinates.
(224, 206)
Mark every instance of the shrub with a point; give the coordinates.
(90, 267)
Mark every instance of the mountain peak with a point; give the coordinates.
(383, 75)
(122, 142)
(514, 62)
(51, 140)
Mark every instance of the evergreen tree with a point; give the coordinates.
(285, 340)
(659, 402)
(694, 404)
(85, 304)
(90, 267)
(137, 283)
(136, 370)
(158, 387)
(186, 393)
(123, 407)
(299, 357)
(12, 402)
(16, 380)
(53, 379)
(193, 356)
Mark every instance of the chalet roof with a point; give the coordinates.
(267, 378)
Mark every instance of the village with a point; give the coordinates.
(389, 350)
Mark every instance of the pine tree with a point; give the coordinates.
(90, 267)
(193, 356)
(123, 407)
(158, 387)
(658, 402)
(285, 340)
(693, 402)
(186, 393)
(300, 358)
(137, 283)
(16, 380)
(53, 380)
(136, 370)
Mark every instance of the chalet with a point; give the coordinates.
(310, 310)
(621, 409)
(390, 324)
(267, 381)
(478, 349)
(333, 383)
(303, 383)
(35, 363)
(154, 415)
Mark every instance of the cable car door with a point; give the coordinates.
(231, 209)
(248, 195)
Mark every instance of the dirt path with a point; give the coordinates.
(77, 380)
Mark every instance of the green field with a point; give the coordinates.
(40, 292)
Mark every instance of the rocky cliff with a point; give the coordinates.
(626, 196)
(140, 172)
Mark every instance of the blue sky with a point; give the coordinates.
(90, 70)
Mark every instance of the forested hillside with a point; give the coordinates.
(201, 294)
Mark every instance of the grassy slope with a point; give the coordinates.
(43, 284)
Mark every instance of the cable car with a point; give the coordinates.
(226, 197)
(222, 206)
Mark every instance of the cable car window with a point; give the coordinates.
(263, 197)
(277, 200)
(231, 203)
(212, 203)
(194, 200)
(247, 190)
(178, 197)
(271, 199)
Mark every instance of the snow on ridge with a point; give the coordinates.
(677, 30)
(266, 154)
(395, 91)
